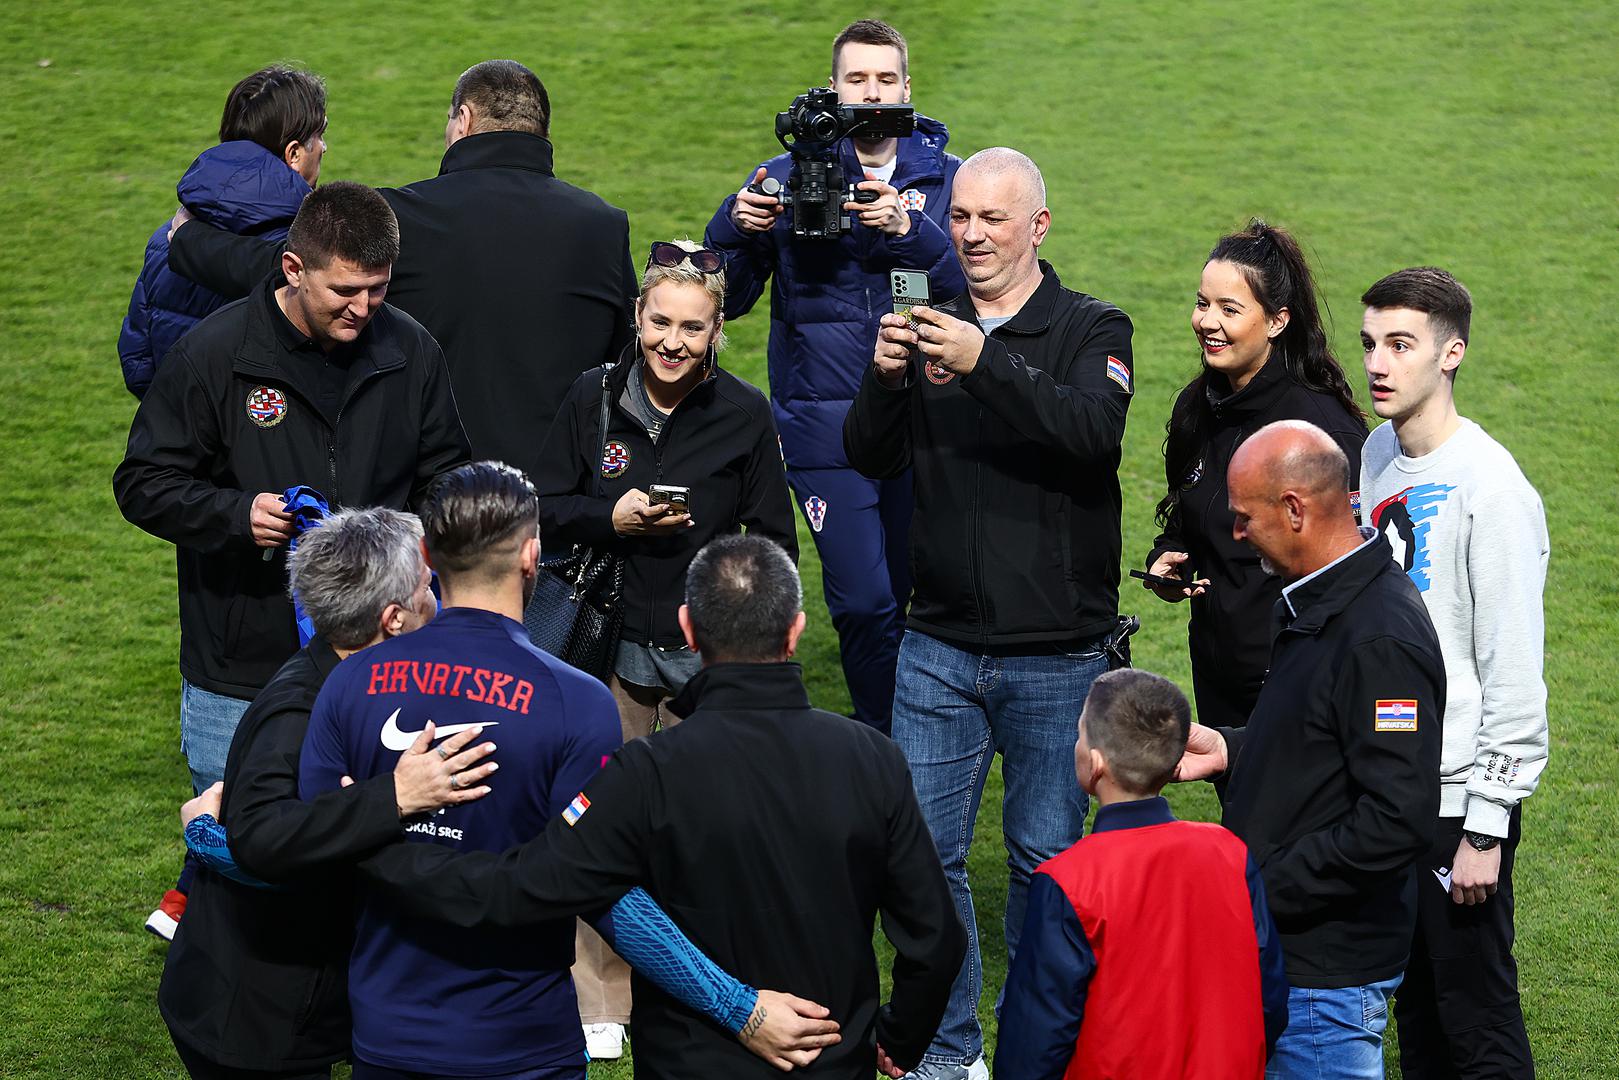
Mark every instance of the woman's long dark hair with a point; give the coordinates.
(1274, 267)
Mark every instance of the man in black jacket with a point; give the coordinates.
(772, 833)
(1334, 783)
(311, 380)
(524, 280)
(1009, 403)
(257, 977)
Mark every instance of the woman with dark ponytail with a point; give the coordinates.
(1265, 357)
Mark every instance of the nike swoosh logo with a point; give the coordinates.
(399, 741)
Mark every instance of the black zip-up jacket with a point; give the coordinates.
(1015, 536)
(1229, 634)
(235, 410)
(1334, 783)
(773, 834)
(720, 441)
(525, 280)
(257, 978)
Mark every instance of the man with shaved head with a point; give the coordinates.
(1008, 402)
(1334, 782)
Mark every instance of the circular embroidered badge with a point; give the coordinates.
(936, 374)
(615, 459)
(266, 406)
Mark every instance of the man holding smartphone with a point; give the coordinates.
(1009, 403)
(826, 298)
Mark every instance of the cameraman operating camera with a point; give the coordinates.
(826, 299)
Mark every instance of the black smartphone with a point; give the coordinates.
(910, 288)
(677, 498)
(1169, 582)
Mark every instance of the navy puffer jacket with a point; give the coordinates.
(828, 295)
(239, 186)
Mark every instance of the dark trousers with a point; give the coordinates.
(364, 1071)
(201, 1068)
(1458, 1010)
(862, 531)
(1223, 700)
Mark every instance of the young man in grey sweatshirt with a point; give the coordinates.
(1471, 533)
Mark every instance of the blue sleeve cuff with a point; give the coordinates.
(642, 933)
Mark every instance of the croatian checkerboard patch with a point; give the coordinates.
(615, 459)
(1118, 372)
(576, 809)
(815, 511)
(1396, 714)
(913, 199)
(266, 406)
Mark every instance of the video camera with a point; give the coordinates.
(816, 188)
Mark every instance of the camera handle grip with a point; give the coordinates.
(769, 187)
(861, 195)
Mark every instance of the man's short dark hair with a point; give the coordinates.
(743, 594)
(345, 220)
(871, 32)
(273, 107)
(1430, 290)
(1139, 721)
(504, 96)
(476, 512)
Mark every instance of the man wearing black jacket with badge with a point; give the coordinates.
(1009, 404)
(311, 380)
(1334, 783)
(525, 280)
(772, 833)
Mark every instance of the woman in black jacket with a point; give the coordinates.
(674, 420)
(1265, 357)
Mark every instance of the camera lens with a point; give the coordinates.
(823, 126)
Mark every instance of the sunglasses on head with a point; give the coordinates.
(704, 260)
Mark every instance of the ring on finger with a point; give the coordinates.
(455, 781)
(442, 752)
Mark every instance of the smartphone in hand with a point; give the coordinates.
(910, 289)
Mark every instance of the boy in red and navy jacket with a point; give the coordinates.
(1148, 950)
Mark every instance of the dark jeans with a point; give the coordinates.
(202, 1068)
(1458, 1009)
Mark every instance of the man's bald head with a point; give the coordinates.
(1296, 455)
(1002, 162)
(1288, 487)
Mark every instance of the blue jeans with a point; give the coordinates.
(207, 723)
(953, 710)
(1333, 1034)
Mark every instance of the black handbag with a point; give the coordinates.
(577, 610)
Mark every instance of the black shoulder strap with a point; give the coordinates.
(601, 452)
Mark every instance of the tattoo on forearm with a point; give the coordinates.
(755, 1022)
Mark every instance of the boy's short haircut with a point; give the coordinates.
(344, 220)
(871, 32)
(1139, 721)
(1430, 290)
(273, 107)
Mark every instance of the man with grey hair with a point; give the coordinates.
(1334, 783)
(486, 235)
(256, 977)
(1008, 404)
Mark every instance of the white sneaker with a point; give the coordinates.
(939, 1070)
(605, 1042)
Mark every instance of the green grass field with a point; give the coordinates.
(1481, 137)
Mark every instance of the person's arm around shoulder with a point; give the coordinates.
(1082, 415)
(1392, 757)
(877, 437)
(743, 228)
(162, 484)
(1507, 554)
(919, 919)
(221, 261)
(1045, 988)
